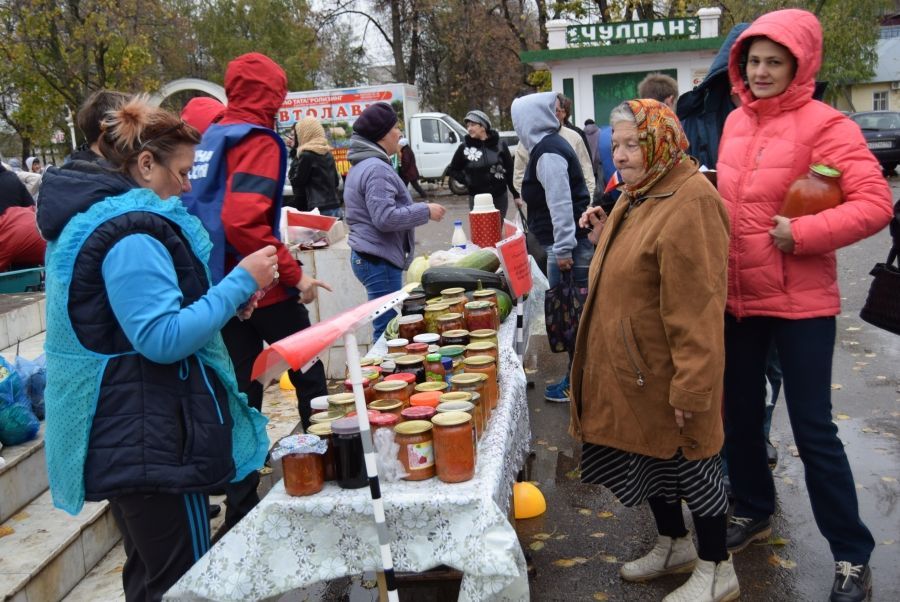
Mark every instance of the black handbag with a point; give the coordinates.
(562, 312)
(882, 306)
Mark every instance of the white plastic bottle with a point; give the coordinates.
(459, 237)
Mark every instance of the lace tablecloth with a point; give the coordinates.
(291, 542)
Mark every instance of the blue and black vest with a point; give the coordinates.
(539, 222)
(209, 178)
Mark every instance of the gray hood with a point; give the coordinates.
(362, 148)
(534, 117)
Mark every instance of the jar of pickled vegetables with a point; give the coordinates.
(413, 304)
(448, 294)
(341, 402)
(432, 313)
(429, 338)
(454, 352)
(349, 454)
(368, 391)
(427, 398)
(417, 349)
(325, 417)
(460, 406)
(454, 447)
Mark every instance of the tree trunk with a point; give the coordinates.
(542, 23)
(397, 46)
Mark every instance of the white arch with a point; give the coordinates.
(189, 83)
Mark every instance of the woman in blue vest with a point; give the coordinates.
(142, 405)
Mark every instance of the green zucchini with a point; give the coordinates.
(434, 280)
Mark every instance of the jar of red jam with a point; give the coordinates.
(440, 387)
(393, 388)
(417, 349)
(302, 463)
(457, 304)
(416, 449)
(472, 385)
(459, 406)
(406, 377)
(428, 398)
(454, 352)
(817, 190)
(413, 364)
(434, 369)
(387, 406)
(481, 315)
(485, 364)
(481, 348)
(450, 321)
(418, 413)
(486, 294)
(484, 334)
(454, 447)
(342, 402)
(368, 390)
(411, 325)
(455, 337)
(432, 313)
(323, 431)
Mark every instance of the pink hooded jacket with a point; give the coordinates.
(766, 145)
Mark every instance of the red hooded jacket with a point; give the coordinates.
(256, 87)
(766, 145)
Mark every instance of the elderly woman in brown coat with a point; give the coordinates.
(648, 365)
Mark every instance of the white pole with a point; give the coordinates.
(371, 468)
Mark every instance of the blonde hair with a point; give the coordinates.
(138, 126)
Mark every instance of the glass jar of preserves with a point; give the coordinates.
(413, 304)
(368, 391)
(454, 447)
(318, 404)
(381, 421)
(440, 387)
(416, 449)
(473, 385)
(447, 363)
(387, 406)
(388, 367)
(397, 346)
(450, 321)
(460, 406)
(349, 455)
(454, 352)
(413, 364)
(481, 315)
(457, 304)
(817, 190)
(429, 338)
(323, 431)
(393, 389)
(434, 369)
(486, 294)
(485, 364)
(455, 337)
(417, 349)
(341, 403)
(409, 326)
(427, 398)
(484, 334)
(418, 413)
(325, 417)
(407, 378)
(448, 294)
(481, 348)
(432, 313)
(302, 463)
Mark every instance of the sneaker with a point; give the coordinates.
(558, 392)
(771, 454)
(852, 582)
(742, 531)
(668, 556)
(214, 510)
(710, 582)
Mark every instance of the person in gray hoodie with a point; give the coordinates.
(556, 194)
(379, 210)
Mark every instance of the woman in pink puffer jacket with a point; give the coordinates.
(782, 280)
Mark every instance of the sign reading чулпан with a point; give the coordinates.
(602, 34)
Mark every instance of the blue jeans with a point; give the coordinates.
(379, 278)
(805, 348)
(581, 255)
(336, 212)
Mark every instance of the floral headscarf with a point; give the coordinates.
(663, 143)
(310, 136)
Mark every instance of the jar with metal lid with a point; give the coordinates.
(406, 377)
(387, 406)
(417, 349)
(447, 363)
(440, 387)
(371, 361)
(349, 454)
(341, 402)
(323, 417)
(432, 313)
(486, 294)
(454, 352)
(393, 389)
(429, 338)
(457, 304)
(318, 404)
(484, 334)
(413, 304)
(485, 364)
(368, 390)
(302, 463)
(388, 367)
(418, 413)
(454, 447)
(455, 337)
(460, 406)
(411, 325)
(388, 421)
(452, 293)
(817, 190)
(481, 348)
(323, 431)
(474, 386)
(397, 346)
(426, 398)
(413, 364)
(450, 321)
(434, 369)
(416, 449)
(481, 315)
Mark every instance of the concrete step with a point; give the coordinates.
(23, 477)
(21, 317)
(45, 552)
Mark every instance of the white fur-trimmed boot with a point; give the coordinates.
(710, 582)
(667, 556)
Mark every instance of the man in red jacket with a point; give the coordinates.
(248, 188)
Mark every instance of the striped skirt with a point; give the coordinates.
(633, 478)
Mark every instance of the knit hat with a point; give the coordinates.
(478, 117)
(376, 121)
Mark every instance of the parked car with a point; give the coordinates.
(882, 132)
(511, 138)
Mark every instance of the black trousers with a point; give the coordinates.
(163, 535)
(244, 340)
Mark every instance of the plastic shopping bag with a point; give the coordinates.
(562, 311)
(18, 423)
(33, 374)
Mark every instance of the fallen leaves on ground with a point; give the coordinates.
(788, 480)
(605, 514)
(598, 534)
(543, 536)
(776, 560)
(574, 474)
(794, 451)
(585, 511)
(541, 442)
(889, 479)
(853, 328)
(609, 558)
(774, 541)
(559, 537)
(4, 531)
(842, 417)
(836, 387)
(888, 542)
(536, 546)
(569, 562)
(869, 430)
(600, 596)
(20, 516)
(553, 448)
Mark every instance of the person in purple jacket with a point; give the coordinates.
(379, 210)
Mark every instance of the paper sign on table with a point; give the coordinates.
(513, 253)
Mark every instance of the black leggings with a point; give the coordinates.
(710, 529)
